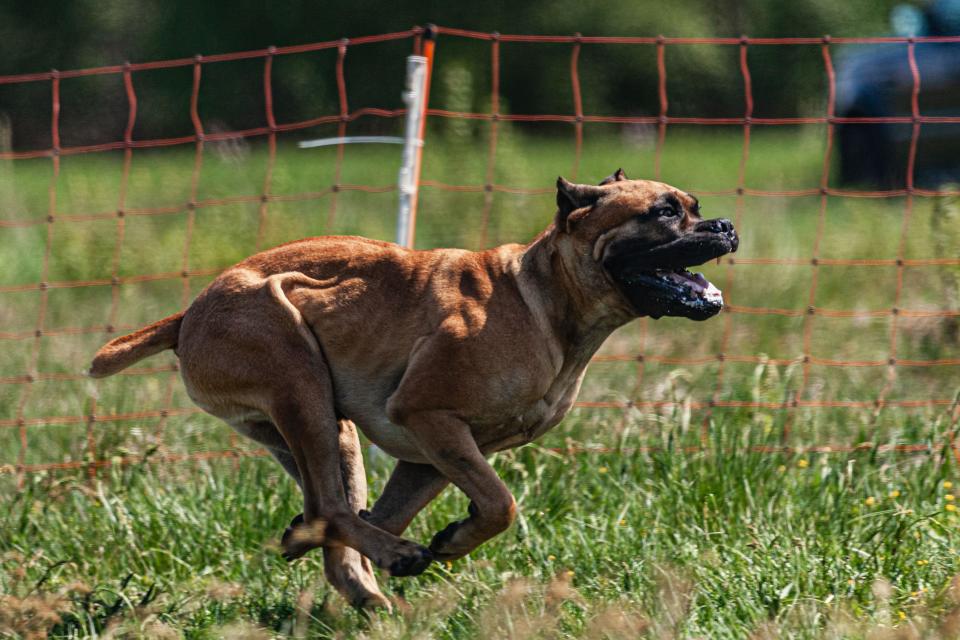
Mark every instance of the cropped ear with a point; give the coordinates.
(571, 197)
(616, 176)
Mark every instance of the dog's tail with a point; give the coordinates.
(122, 352)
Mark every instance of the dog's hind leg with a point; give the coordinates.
(345, 568)
(265, 432)
(302, 409)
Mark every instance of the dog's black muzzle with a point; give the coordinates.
(709, 239)
(655, 280)
(722, 228)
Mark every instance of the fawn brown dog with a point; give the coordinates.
(440, 357)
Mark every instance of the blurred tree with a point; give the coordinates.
(36, 36)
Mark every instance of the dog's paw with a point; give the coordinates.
(287, 537)
(297, 521)
(412, 563)
(443, 546)
(371, 602)
(351, 574)
(300, 537)
(443, 537)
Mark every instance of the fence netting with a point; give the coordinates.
(840, 330)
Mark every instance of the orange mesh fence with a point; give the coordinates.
(55, 221)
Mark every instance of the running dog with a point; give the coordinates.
(439, 357)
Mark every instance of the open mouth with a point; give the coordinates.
(655, 280)
(672, 292)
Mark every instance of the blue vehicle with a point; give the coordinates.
(876, 81)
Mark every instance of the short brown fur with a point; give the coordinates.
(440, 357)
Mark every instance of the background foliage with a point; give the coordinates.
(43, 35)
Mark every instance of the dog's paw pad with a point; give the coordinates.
(413, 564)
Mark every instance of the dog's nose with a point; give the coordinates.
(718, 225)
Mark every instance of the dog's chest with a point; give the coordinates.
(532, 421)
(501, 428)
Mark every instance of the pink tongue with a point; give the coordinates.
(695, 280)
(700, 285)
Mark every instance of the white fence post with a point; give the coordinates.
(413, 97)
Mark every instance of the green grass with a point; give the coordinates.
(743, 541)
(721, 542)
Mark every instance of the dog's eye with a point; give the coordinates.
(668, 211)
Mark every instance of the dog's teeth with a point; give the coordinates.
(713, 294)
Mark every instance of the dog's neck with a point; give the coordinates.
(580, 312)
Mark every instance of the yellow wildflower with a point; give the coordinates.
(901, 615)
(870, 501)
(803, 463)
(602, 469)
(947, 484)
(894, 494)
(951, 507)
(551, 557)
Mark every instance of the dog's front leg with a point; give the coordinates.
(448, 444)
(410, 487)
(306, 419)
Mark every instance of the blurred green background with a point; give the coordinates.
(38, 36)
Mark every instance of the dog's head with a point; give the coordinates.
(641, 236)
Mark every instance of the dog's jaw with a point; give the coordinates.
(656, 282)
(678, 292)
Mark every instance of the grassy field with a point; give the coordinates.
(723, 542)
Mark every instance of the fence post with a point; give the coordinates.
(416, 97)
